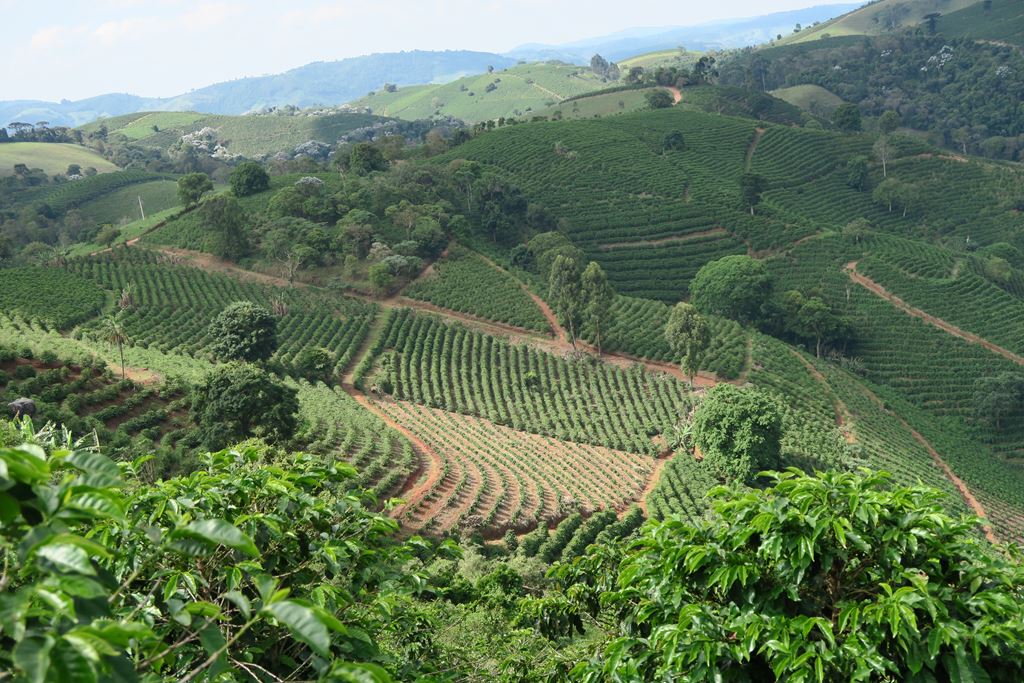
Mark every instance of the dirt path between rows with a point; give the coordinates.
(843, 417)
(430, 468)
(758, 134)
(958, 483)
(677, 95)
(652, 482)
(875, 288)
(675, 239)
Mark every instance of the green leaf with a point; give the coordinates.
(350, 672)
(239, 601)
(303, 623)
(32, 657)
(9, 508)
(69, 665)
(100, 502)
(26, 464)
(218, 532)
(212, 640)
(93, 463)
(66, 558)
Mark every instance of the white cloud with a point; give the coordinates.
(48, 38)
(210, 14)
(115, 31)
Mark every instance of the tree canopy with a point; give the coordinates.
(238, 400)
(738, 431)
(834, 577)
(243, 331)
(734, 287)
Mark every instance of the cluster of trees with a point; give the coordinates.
(18, 131)
(967, 94)
(741, 288)
(605, 69)
(380, 222)
(580, 296)
(240, 398)
(704, 71)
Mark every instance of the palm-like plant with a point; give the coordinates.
(115, 334)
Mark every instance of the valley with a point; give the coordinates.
(667, 363)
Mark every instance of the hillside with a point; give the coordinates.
(250, 136)
(512, 92)
(52, 158)
(717, 35)
(876, 18)
(999, 22)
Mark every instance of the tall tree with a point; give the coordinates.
(811, 318)
(688, 335)
(116, 335)
(752, 186)
(225, 218)
(249, 178)
(238, 400)
(598, 297)
(739, 431)
(565, 291)
(846, 117)
(192, 187)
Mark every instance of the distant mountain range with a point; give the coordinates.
(337, 82)
(731, 33)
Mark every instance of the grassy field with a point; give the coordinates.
(52, 157)
(517, 91)
(876, 18)
(653, 60)
(249, 135)
(813, 98)
(604, 104)
(122, 206)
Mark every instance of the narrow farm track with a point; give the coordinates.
(430, 468)
(561, 343)
(677, 96)
(651, 483)
(961, 486)
(843, 417)
(758, 134)
(875, 288)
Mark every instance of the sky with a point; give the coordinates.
(56, 49)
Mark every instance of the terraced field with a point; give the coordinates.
(496, 479)
(174, 305)
(88, 398)
(422, 359)
(465, 282)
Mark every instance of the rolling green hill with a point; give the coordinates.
(598, 104)
(666, 58)
(1001, 22)
(250, 135)
(52, 158)
(122, 205)
(512, 92)
(876, 18)
(812, 98)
